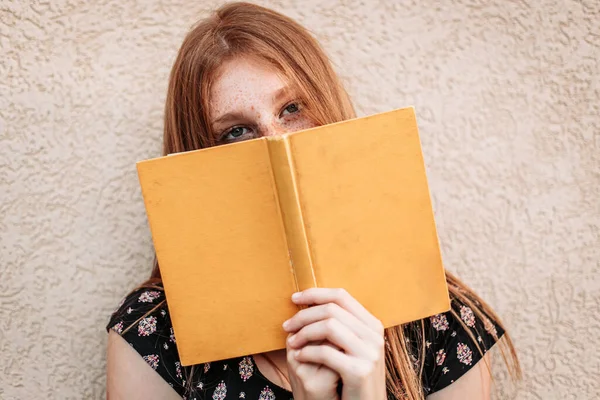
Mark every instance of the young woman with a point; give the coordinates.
(244, 73)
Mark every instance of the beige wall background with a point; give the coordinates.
(508, 100)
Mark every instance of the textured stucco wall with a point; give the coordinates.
(508, 98)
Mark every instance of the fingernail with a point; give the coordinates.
(296, 295)
(286, 324)
(291, 339)
(296, 353)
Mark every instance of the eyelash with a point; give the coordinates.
(223, 136)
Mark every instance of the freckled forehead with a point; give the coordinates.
(241, 84)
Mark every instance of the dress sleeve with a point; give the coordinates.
(450, 350)
(142, 319)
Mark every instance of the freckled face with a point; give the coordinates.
(249, 100)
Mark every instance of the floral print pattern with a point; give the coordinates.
(149, 296)
(246, 369)
(118, 327)
(449, 351)
(178, 370)
(440, 357)
(152, 360)
(266, 394)
(220, 392)
(147, 326)
(466, 314)
(440, 322)
(464, 354)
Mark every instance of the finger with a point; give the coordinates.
(292, 362)
(290, 350)
(343, 299)
(306, 370)
(321, 312)
(307, 366)
(334, 332)
(339, 362)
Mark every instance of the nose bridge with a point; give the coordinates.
(271, 127)
(273, 131)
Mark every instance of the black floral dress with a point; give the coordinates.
(142, 319)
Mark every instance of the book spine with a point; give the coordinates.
(282, 164)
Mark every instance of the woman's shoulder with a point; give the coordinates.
(142, 320)
(456, 340)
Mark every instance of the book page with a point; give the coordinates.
(368, 214)
(220, 243)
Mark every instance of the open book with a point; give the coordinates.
(238, 228)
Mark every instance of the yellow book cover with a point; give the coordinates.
(238, 228)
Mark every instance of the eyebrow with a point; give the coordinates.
(281, 93)
(230, 116)
(236, 115)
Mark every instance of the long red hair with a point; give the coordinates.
(243, 29)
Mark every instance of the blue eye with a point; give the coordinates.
(235, 133)
(291, 108)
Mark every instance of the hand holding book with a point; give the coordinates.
(358, 352)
